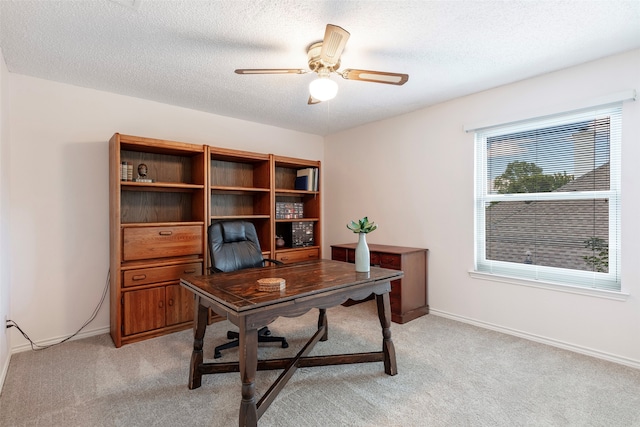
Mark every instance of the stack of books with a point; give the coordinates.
(307, 179)
(126, 171)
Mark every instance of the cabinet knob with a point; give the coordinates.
(166, 233)
(160, 304)
(171, 303)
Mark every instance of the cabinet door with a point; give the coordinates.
(179, 305)
(143, 310)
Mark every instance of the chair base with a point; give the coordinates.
(264, 335)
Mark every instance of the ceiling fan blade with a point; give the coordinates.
(335, 38)
(270, 71)
(313, 101)
(375, 76)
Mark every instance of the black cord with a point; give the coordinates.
(34, 346)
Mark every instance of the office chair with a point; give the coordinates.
(234, 245)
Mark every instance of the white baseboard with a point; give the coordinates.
(26, 346)
(3, 374)
(540, 339)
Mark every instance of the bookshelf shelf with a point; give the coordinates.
(237, 190)
(297, 220)
(159, 186)
(247, 217)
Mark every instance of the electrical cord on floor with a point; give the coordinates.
(34, 346)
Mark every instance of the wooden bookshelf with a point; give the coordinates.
(158, 228)
(157, 235)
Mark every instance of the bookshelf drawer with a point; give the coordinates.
(172, 273)
(298, 255)
(161, 242)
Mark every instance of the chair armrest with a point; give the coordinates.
(273, 261)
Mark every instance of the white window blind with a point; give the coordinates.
(548, 199)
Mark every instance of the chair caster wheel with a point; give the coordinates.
(217, 355)
(285, 344)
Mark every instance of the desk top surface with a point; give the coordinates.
(238, 290)
(374, 247)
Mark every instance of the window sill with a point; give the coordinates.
(599, 293)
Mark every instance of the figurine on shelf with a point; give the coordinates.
(279, 242)
(142, 173)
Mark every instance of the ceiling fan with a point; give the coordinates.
(324, 59)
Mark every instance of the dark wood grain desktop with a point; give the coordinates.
(315, 284)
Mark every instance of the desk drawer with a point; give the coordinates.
(161, 242)
(299, 255)
(390, 261)
(339, 254)
(171, 273)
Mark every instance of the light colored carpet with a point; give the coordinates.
(450, 374)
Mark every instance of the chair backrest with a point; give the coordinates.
(234, 245)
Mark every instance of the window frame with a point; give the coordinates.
(608, 284)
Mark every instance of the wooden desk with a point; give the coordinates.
(314, 284)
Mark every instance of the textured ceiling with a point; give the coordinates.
(184, 52)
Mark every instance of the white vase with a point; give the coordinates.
(362, 254)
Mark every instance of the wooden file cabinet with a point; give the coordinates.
(409, 294)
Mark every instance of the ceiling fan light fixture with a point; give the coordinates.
(324, 59)
(323, 89)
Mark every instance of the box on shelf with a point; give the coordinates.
(289, 210)
(302, 234)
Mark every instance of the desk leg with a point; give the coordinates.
(248, 365)
(199, 328)
(322, 321)
(389, 350)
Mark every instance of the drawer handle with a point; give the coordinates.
(311, 256)
(284, 258)
(166, 233)
(190, 270)
(139, 277)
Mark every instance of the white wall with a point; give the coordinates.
(413, 175)
(59, 191)
(5, 355)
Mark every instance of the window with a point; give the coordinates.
(548, 199)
